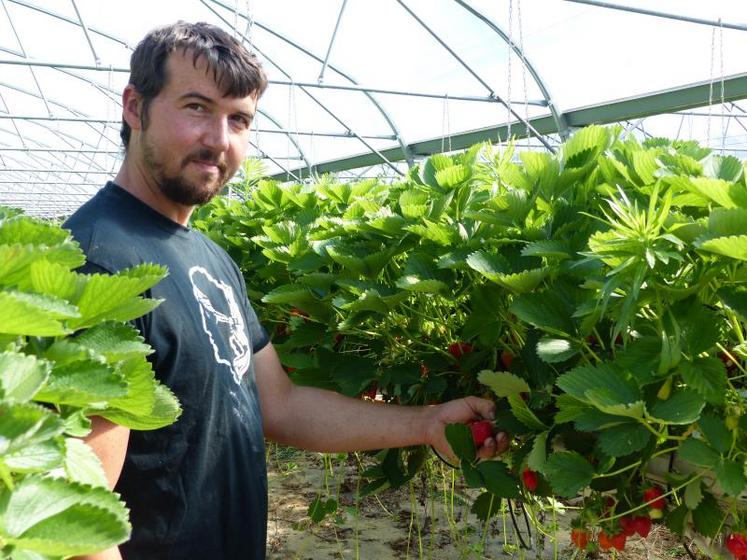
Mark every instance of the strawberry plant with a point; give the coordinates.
(598, 295)
(66, 353)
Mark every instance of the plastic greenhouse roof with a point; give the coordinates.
(373, 86)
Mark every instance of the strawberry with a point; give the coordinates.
(642, 525)
(652, 496)
(580, 538)
(618, 541)
(628, 525)
(530, 479)
(481, 430)
(605, 541)
(507, 359)
(424, 371)
(458, 349)
(655, 513)
(737, 545)
(370, 393)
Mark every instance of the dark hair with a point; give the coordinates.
(236, 71)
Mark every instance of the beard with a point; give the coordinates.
(176, 186)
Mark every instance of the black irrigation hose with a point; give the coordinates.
(442, 459)
(516, 527)
(510, 509)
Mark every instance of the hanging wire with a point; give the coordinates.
(724, 119)
(508, 50)
(445, 125)
(523, 69)
(710, 86)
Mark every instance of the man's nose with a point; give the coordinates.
(216, 137)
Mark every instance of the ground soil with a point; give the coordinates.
(428, 519)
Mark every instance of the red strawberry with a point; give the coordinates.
(530, 479)
(370, 393)
(618, 541)
(458, 349)
(481, 430)
(642, 525)
(605, 541)
(507, 359)
(652, 496)
(580, 538)
(737, 545)
(628, 525)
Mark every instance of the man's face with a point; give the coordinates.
(194, 139)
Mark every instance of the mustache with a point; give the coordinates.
(205, 154)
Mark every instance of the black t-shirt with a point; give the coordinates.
(197, 488)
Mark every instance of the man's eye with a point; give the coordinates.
(196, 107)
(242, 121)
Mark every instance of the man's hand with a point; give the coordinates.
(462, 411)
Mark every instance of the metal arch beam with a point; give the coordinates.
(443, 43)
(403, 145)
(447, 47)
(317, 101)
(561, 123)
(665, 15)
(54, 15)
(65, 67)
(657, 103)
(332, 41)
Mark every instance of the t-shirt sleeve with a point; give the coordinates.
(257, 333)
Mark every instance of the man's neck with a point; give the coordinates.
(134, 181)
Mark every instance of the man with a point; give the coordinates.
(197, 489)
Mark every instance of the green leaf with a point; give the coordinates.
(716, 190)
(599, 385)
(82, 383)
(83, 465)
(35, 457)
(715, 431)
(486, 506)
(460, 439)
(733, 246)
(623, 440)
(555, 350)
(728, 168)
(114, 341)
(21, 376)
(523, 414)
(699, 453)
(437, 233)
(568, 473)
(545, 310)
(730, 476)
(538, 455)
(113, 297)
(683, 407)
(736, 300)
(708, 516)
(26, 424)
(35, 500)
(693, 493)
(490, 266)
(552, 248)
(165, 411)
(706, 376)
(676, 519)
(503, 383)
(497, 479)
(453, 176)
(33, 314)
(55, 280)
(472, 476)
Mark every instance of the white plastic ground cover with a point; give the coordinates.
(350, 77)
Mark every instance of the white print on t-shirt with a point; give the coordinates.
(222, 319)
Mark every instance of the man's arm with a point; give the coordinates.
(319, 420)
(109, 442)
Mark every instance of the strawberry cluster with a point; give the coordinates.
(737, 545)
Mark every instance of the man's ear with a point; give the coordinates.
(132, 106)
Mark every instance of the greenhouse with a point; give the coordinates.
(399, 279)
